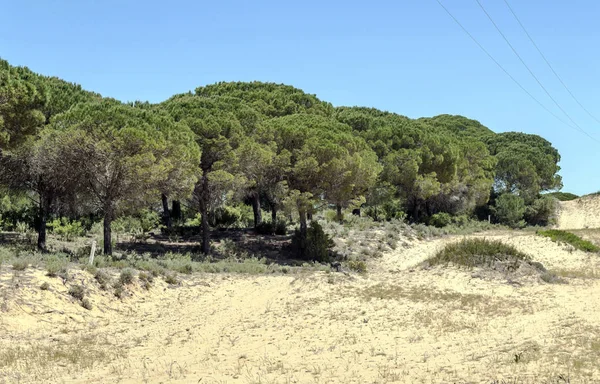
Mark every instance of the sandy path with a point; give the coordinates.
(397, 324)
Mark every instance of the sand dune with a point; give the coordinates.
(399, 323)
(580, 213)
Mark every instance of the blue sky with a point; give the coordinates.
(403, 56)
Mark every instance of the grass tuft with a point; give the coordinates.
(476, 253)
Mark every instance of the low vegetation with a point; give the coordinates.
(477, 253)
(570, 238)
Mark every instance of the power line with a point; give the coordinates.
(525, 64)
(509, 75)
(548, 63)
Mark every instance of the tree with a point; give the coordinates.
(510, 209)
(120, 155)
(217, 131)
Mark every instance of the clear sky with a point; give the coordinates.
(403, 56)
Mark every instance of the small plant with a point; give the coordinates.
(357, 266)
(281, 228)
(146, 279)
(103, 279)
(126, 277)
(265, 228)
(45, 286)
(86, 303)
(171, 278)
(119, 291)
(55, 265)
(77, 291)
(20, 264)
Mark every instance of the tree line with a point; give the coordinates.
(273, 147)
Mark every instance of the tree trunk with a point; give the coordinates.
(416, 208)
(309, 215)
(273, 214)
(107, 232)
(303, 232)
(45, 203)
(256, 209)
(166, 214)
(340, 217)
(176, 210)
(204, 199)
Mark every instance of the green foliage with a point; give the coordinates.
(563, 196)
(281, 228)
(316, 246)
(477, 253)
(510, 209)
(542, 211)
(570, 238)
(265, 228)
(357, 266)
(440, 220)
(65, 229)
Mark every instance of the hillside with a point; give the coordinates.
(579, 213)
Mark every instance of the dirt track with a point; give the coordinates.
(397, 324)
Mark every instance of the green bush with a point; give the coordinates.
(510, 209)
(265, 228)
(65, 229)
(281, 228)
(440, 220)
(570, 238)
(126, 277)
(316, 246)
(477, 252)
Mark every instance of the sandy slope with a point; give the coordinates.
(580, 213)
(397, 324)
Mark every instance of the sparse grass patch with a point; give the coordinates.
(569, 238)
(477, 252)
(86, 303)
(357, 266)
(45, 286)
(171, 279)
(552, 278)
(20, 264)
(55, 265)
(577, 273)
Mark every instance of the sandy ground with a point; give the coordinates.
(399, 323)
(580, 213)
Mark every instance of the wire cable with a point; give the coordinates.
(528, 69)
(509, 75)
(548, 63)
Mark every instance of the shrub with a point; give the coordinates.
(126, 277)
(357, 266)
(281, 228)
(45, 286)
(171, 278)
(265, 228)
(102, 278)
(570, 238)
(65, 229)
(477, 252)
(315, 246)
(440, 220)
(510, 209)
(563, 196)
(20, 264)
(77, 291)
(55, 264)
